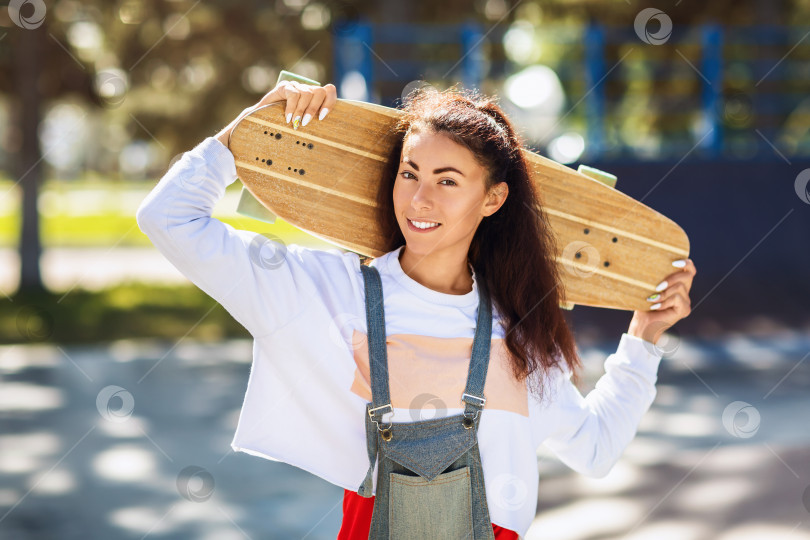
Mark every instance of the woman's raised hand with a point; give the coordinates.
(304, 102)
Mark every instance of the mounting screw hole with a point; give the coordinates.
(586, 231)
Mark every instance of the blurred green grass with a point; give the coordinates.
(127, 311)
(106, 217)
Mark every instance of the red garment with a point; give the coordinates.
(357, 519)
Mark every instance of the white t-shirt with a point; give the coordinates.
(309, 379)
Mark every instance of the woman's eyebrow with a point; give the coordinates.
(435, 171)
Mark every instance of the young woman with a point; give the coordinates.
(424, 382)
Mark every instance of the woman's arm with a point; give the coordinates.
(590, 433)
(260, 281)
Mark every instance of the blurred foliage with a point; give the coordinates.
(191, 66)
(121, 312)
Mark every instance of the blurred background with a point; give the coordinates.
(121, 382)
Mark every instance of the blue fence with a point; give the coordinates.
(709, 91)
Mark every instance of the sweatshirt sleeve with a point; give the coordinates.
(263, 283)
(590, 433)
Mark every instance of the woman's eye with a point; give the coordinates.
(406, 174)
(448, 180)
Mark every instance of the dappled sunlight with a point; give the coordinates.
(53, 482)
(585, 519)
(714, 495)
(23, 396)
(682, 529)
(763, 531)
(125, 463)
(622, 477)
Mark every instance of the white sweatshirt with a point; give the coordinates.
(309, 379)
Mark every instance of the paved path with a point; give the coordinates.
(79, 461)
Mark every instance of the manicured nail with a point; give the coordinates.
(661, 286)
(323, 114)
(296, 122)
(289, 116)
(655, 306)
(307, 118)
(653, 297)
(679, 264)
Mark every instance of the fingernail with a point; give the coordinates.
(679, 264)
(661, 286)
(296, 122)
(307, 118)
(289, 116)
(653, 297)
(655, 306)
(323, 114)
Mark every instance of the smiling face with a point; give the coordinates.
(440, 181)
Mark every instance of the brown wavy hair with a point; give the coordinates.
(513, 250)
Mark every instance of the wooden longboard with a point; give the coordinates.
(323, 179)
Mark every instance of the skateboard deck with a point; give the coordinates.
(323, 178)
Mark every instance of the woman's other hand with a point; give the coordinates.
(304, 102)
(671, 304)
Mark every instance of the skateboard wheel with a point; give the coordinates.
(604, 177)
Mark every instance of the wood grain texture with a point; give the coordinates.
(323, 179)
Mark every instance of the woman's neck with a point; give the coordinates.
(436, 271)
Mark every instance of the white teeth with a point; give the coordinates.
(424, 225)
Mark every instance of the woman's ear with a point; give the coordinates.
(495, 198)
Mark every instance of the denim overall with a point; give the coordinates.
(430, 483)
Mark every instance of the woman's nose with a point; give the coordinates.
(422, 198)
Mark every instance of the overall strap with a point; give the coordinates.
(377, 350)
(473, 396)
(378, 363)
